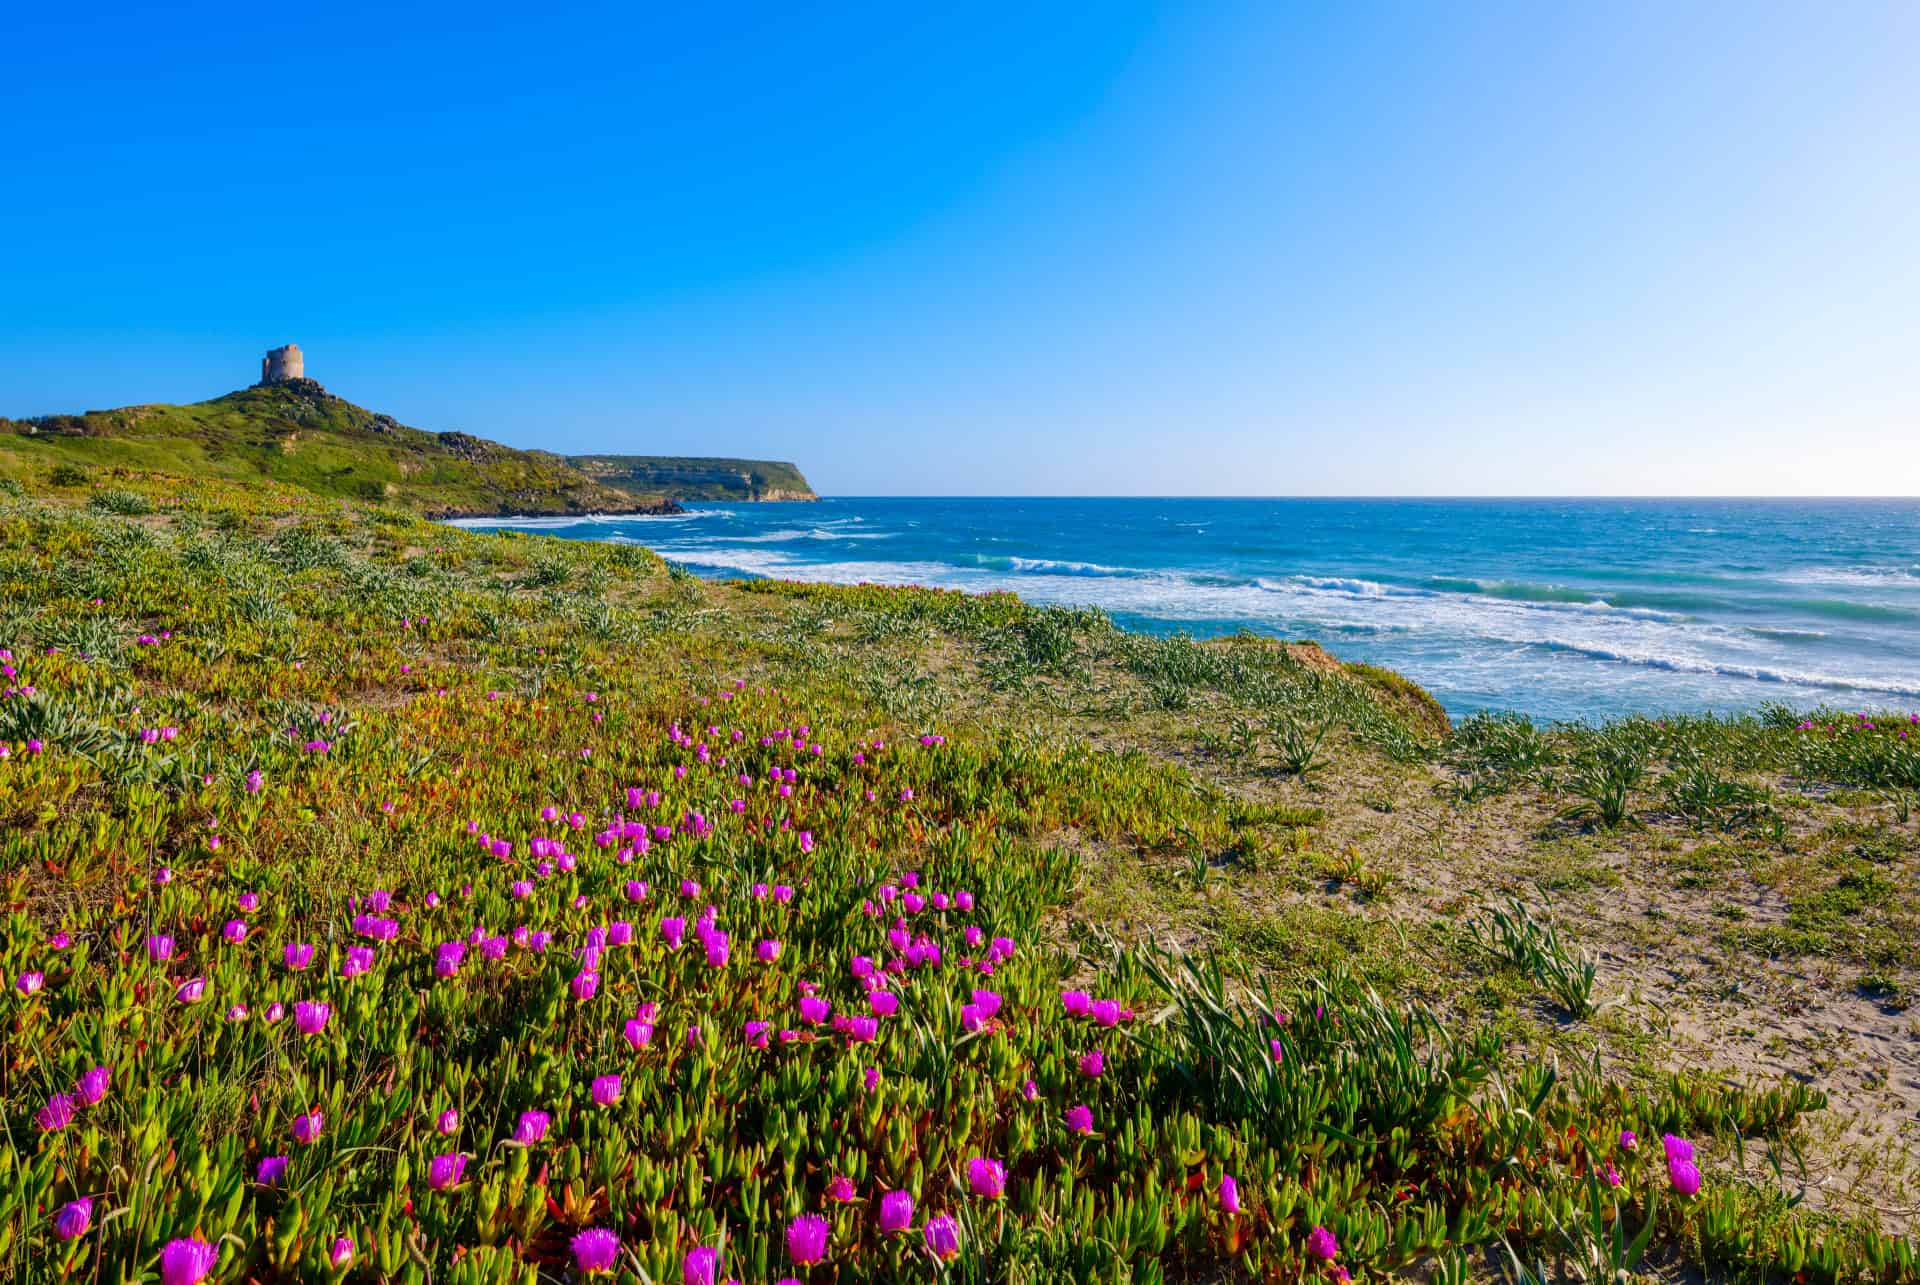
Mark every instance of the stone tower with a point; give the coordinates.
(282, 364)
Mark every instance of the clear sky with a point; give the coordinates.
(1439, 248)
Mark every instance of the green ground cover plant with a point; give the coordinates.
(386, 901)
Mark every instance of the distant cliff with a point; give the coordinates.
(296, 433)
(696, 478)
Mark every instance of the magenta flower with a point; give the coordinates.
(606, 1090)
(638, 1033)
(1077, 1003)
(702, 1266)
(768, 950)
(840, 1189)
(896, 1212)
(298, 954)
(234, 931)
(1322, 1245)
(1091, 1064)
(444, 1170)
(306, 1127)
(310, 1016)
(1685, 1176)
(1229, 1194)
(271, 1170)
(448, 1123)
(813, 1009)
(807, 1239)
(1677, 1148)
(943, 1238)
(1080, 1119)
(56, 1115)
(30, 983)
(342, 1252)
(585, 984)
(532, 1127)
(187, 1262)
(1628, 1140)
(987, 1178)
(73, 1219)
(93, 1086)
(159, 948)
(674, 929)
(595, 1250)
(190, 991)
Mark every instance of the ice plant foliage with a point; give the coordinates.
(761, 983)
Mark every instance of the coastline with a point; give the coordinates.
(660, 509)
(1712, 606)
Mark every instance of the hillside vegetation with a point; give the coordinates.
(298, 434)
(697, 478)
(386, 901)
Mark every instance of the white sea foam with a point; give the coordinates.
(1488, 631)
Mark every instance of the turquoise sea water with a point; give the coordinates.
(1564, 609)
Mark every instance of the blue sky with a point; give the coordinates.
(1114, 248)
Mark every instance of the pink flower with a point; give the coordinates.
(532, 1127)
(93, 1086)
(595, 1250)
(57, 1114)
(638, 1033)
(187, 1262)
(1080, 1119)
(943, 1238)
(30, 983)
(606, 1090)
(585, 984)
(840, 1189)
(190, 991)
(701, 1267)
(297, 954)
(448, 1123)
(444, 1171)
(987, 1178)
(73, 1219)
(1229, 1194)
(307, 1126)
(1092, 1063)
(896, 1212)
(807, 1239)
(813, 1009)
(341, 1253)
(310, 1016)
(1322, 1245)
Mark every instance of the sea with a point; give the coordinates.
(1564, 610)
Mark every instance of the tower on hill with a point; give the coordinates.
(282, 365)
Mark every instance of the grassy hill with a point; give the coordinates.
(298, 434)
(697, 478)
